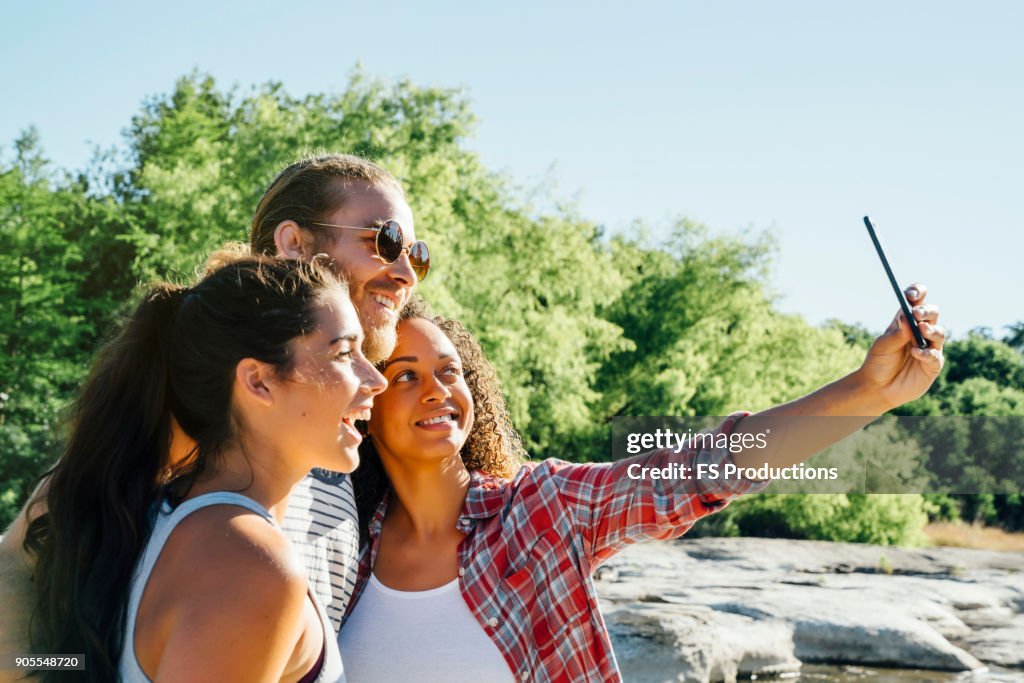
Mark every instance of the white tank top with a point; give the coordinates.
(426, 636)
(166, 521)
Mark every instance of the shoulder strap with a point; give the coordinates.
(216, 498)
(165, 523)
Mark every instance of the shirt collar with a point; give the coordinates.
(486, 495)
(484, 499)
(378, 517)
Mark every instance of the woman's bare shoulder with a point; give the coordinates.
(228, 540)
(238, 590)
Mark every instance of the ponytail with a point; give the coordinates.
(121, 430)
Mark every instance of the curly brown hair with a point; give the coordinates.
(493, 444)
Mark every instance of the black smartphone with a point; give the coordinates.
(904, 304)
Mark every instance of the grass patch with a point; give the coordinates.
(960, 535)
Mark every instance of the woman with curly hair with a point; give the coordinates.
(477, 567)
(492, 445)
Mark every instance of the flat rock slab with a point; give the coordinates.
(713, 609)
(697, 645)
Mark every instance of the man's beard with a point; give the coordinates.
(380, 336)
(379, 340)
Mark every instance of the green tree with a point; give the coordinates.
(854, 334)
(57, 286)
(893, 519)
(707, 338)
(978, 356)
(580, 327)
(1015, 337)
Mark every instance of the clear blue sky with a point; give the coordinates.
(795, 116)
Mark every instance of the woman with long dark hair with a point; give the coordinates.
(178, 570)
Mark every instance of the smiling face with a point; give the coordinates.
(378, 289)
(331, 385)
(426, 412)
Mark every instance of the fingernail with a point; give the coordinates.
(912, 293)
(919, 311)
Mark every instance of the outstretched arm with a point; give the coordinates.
(894, 372)
(615, 504)
(612, 507)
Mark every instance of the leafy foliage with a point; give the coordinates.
(581, 327)
(894, 519)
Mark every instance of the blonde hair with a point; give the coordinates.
(308, 191)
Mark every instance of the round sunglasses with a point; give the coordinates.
(390, 244)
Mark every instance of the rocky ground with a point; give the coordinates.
(713, 609)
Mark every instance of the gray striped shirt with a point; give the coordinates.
(323, 525)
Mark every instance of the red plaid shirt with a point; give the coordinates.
(532, 544)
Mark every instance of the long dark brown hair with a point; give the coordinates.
(493, 445)
(175, 355)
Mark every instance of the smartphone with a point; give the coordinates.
(904, 304)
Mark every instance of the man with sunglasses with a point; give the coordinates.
(356, 213)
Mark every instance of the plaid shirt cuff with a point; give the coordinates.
(716, 491)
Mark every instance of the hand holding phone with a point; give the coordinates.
(904, 305)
